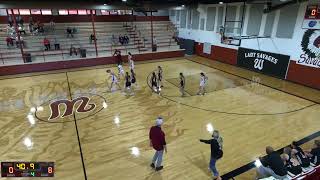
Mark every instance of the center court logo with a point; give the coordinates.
(65, 110)
(84, 106)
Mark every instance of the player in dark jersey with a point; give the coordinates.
(133, 77)
(154, 84)
(182, 84)
(159, 77)
(127, 84)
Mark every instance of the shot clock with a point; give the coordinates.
(27, 169)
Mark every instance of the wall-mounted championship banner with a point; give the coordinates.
(264, 62)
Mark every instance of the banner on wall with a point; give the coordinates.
(264, 62)
(310, 45)
(207, 48)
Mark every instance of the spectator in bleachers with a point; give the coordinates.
(69, 32)
(301, 156)
(272, 165)
(10, 21)
(291, 162)
(74, 30)
(314, 154)
(46, 44)
(73, 51)
(121, 39)
(125, 39)
(9, 41)
(92, 38)
(19, 43)
(56, 44)
(52, 25)
(216, 152)
(21, 29)
(114, 39)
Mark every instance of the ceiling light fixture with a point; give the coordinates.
(124, 0)
(220, 2)
(104, 4)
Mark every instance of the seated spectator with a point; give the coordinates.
(92, 38)
(56, 44)
(121, 39)
(126, 39)
(74, 30)
(114, 39)
(69, 32)
(21, 42)
(52, 25)
(290, 161)
(21, 29)
(301, 156)
(272, 165)
(46, 44)
(9, 41)
(73, 51)
(314, 154)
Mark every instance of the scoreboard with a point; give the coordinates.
(27, 169)
(312, 17)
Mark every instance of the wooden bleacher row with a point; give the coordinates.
(104, 32)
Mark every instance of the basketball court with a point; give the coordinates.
(111, 140)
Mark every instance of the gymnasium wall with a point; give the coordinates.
(283, 26)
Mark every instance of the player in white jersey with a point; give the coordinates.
(130, 61)
(203, 83)
(120, 71)
(114, 80)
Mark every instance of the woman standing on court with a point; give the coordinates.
(182, 84)
(203, 82)
(216, 152)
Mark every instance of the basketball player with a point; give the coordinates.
(120, 71)
(130, 61)
(203, 82)
(182, 84)
(127, 83)
(133, 77)
(114, 80)
(159, 77)
(154, 84)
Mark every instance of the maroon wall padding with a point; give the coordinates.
(85, 18)
(305, 75)
(222, 54)
(49, 66)
(199, 50)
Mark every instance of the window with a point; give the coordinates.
(63, 12)
(3, 12)
(93, 11)
(73, 11)
(24, 11)
(35, 11)
(82, 12)
(105, 12)
(114, 12)
(15, 11)
(46, 11)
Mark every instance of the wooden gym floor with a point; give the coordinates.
(250, 110)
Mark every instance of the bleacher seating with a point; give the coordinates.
(138, 32)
